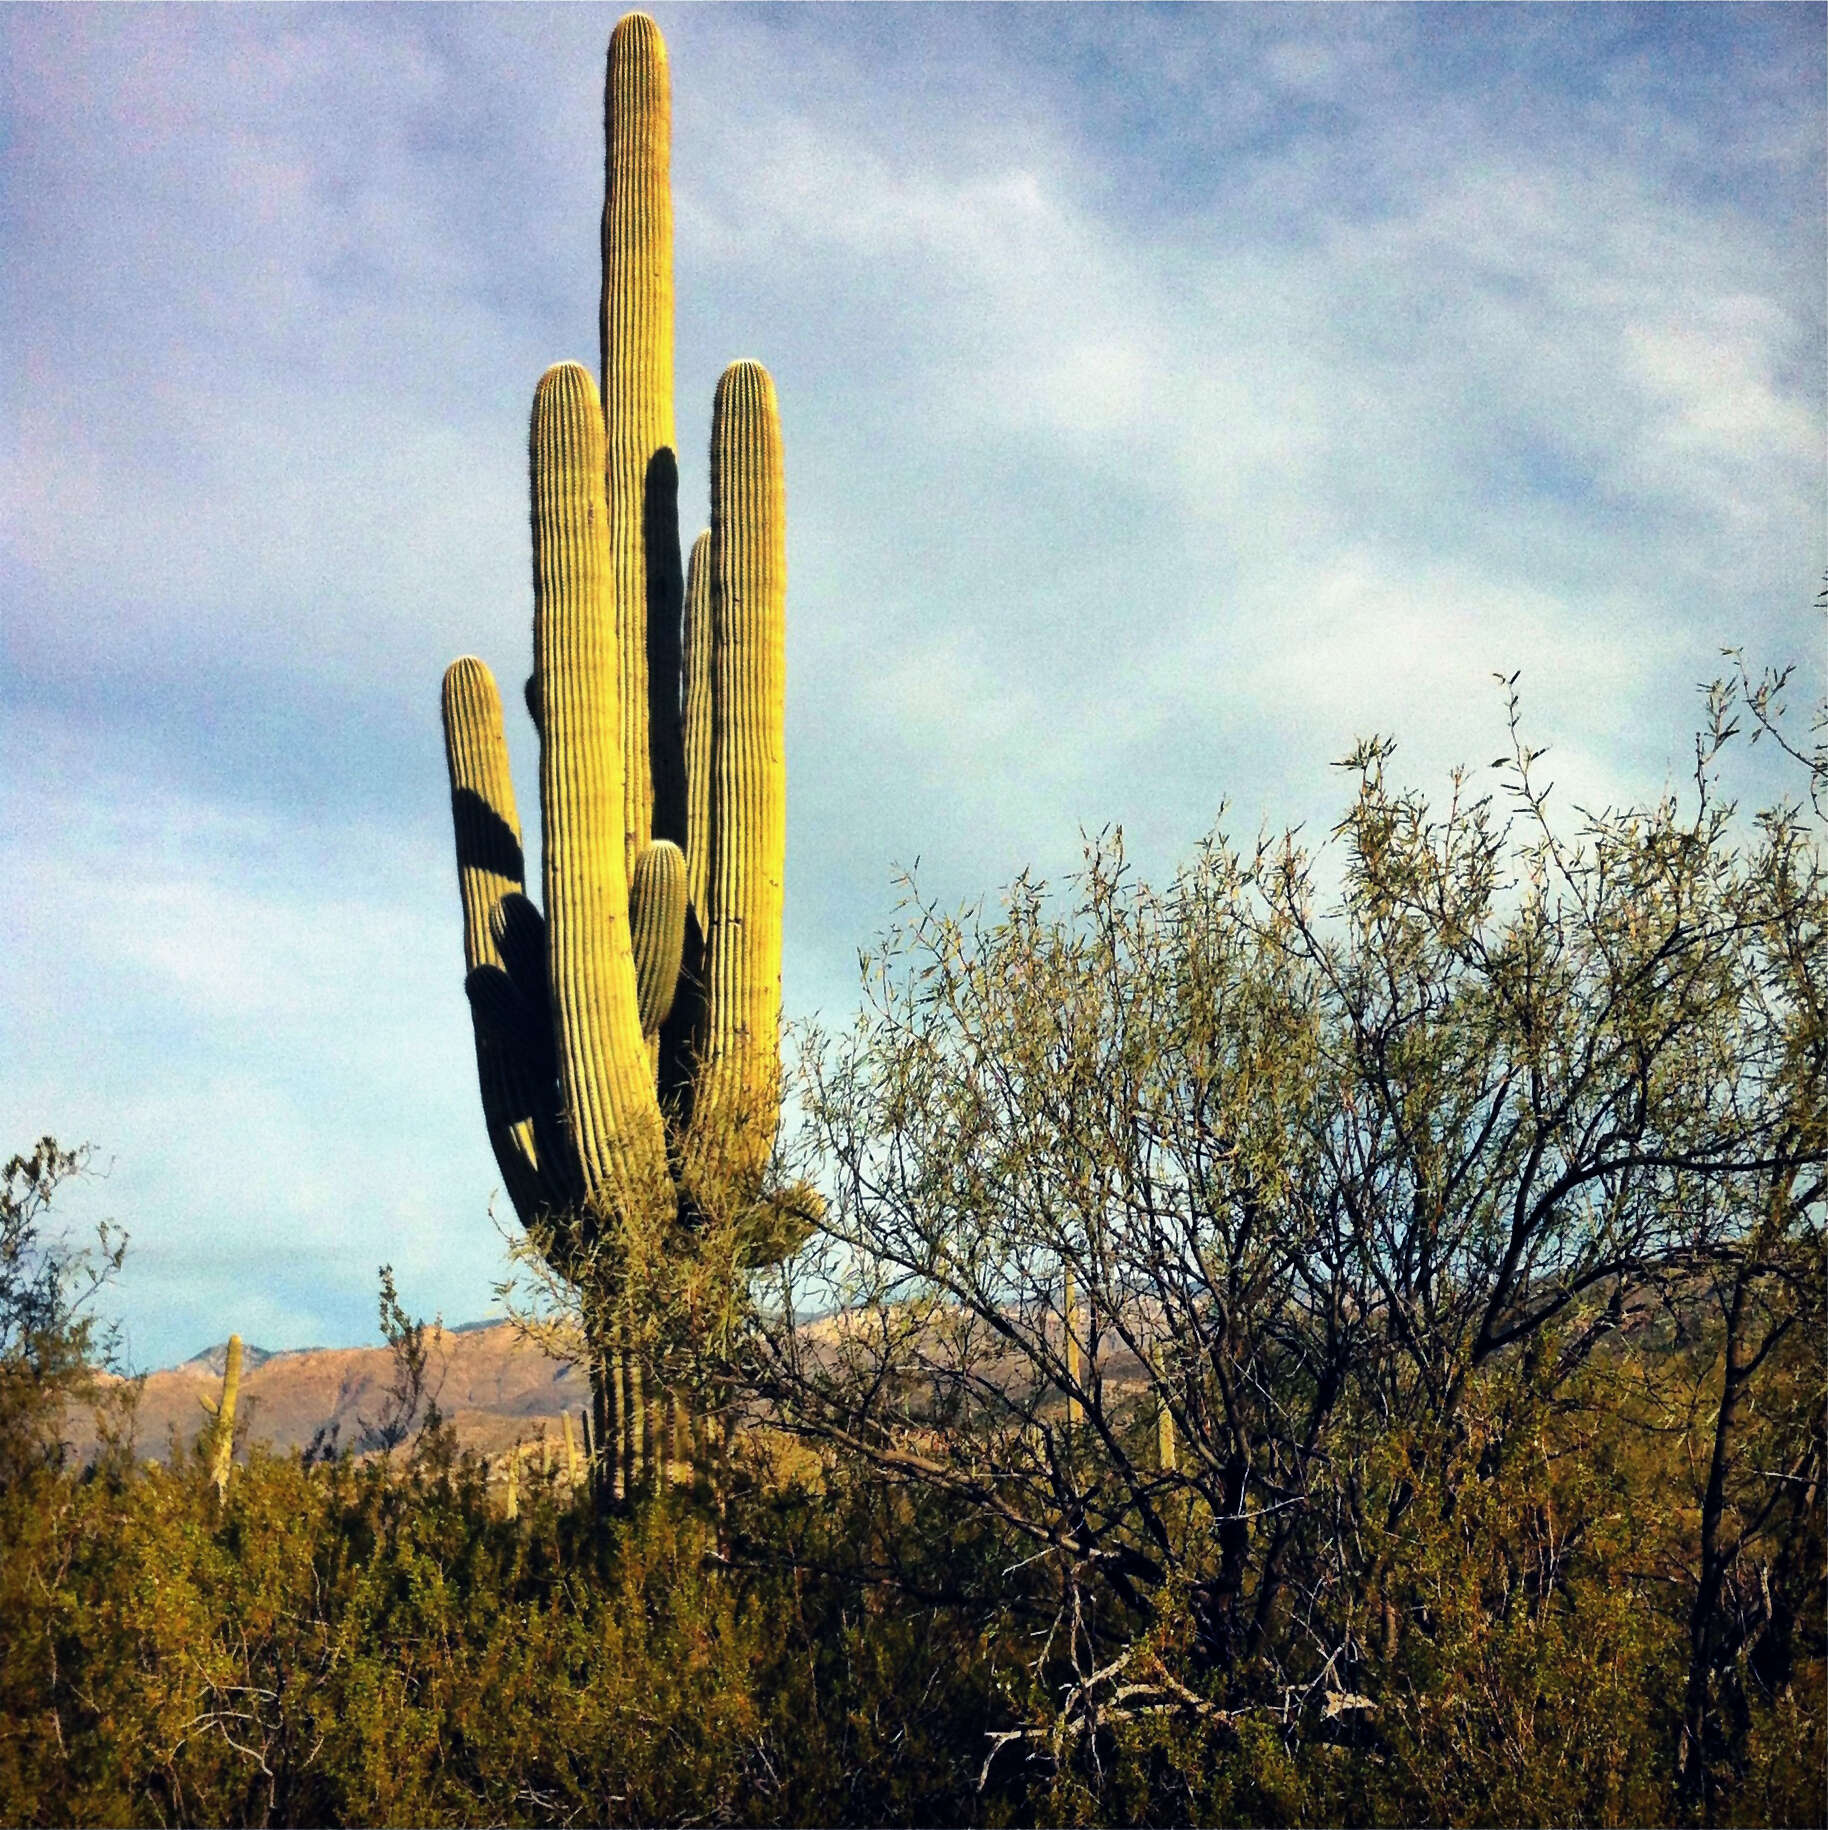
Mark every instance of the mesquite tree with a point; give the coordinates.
(1189, 1234)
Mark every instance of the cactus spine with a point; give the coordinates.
(627, 1041)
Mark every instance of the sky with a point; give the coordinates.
(1171, 397)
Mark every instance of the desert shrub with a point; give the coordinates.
(374, 1643)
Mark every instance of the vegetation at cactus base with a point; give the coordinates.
(1474, 1507)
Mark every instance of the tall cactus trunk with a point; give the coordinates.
(641, 472)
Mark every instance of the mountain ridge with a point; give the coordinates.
(493, 1386)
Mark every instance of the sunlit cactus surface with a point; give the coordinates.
(627, 1041)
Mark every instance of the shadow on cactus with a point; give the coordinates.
(627, 1038)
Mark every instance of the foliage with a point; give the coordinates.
(1161, 1222)
(410, 1398)
(373, 1643)
(50, 1338)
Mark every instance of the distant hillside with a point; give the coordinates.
(493, 1387)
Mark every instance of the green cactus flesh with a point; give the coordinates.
(518, 1109)
(657, 912)
(636, 314)
(734, 1120)
(222, 1431)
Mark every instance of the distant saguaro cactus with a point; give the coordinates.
(222, 1411)
(627, 1039)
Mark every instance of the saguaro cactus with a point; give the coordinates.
(222, 1413)
(626, 1040)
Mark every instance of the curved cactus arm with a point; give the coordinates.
(515, 1082)
(500, 1006)
(738, 1103)
(657, 918)
(641, 475)
(519, 932)
(610, 1106)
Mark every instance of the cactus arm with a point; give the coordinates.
(636, 319)
(611, 1110)
(513, 1082)
(489, 858)
(573, 1469)
(500, 1008)
(739, 1101)
(657, 915)
(519, 932)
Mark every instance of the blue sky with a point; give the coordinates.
(1170, 397)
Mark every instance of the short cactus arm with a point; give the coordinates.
(514, 1081)
(657, 918)
(611, 1110)
(739, 1103)
(641, 473)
